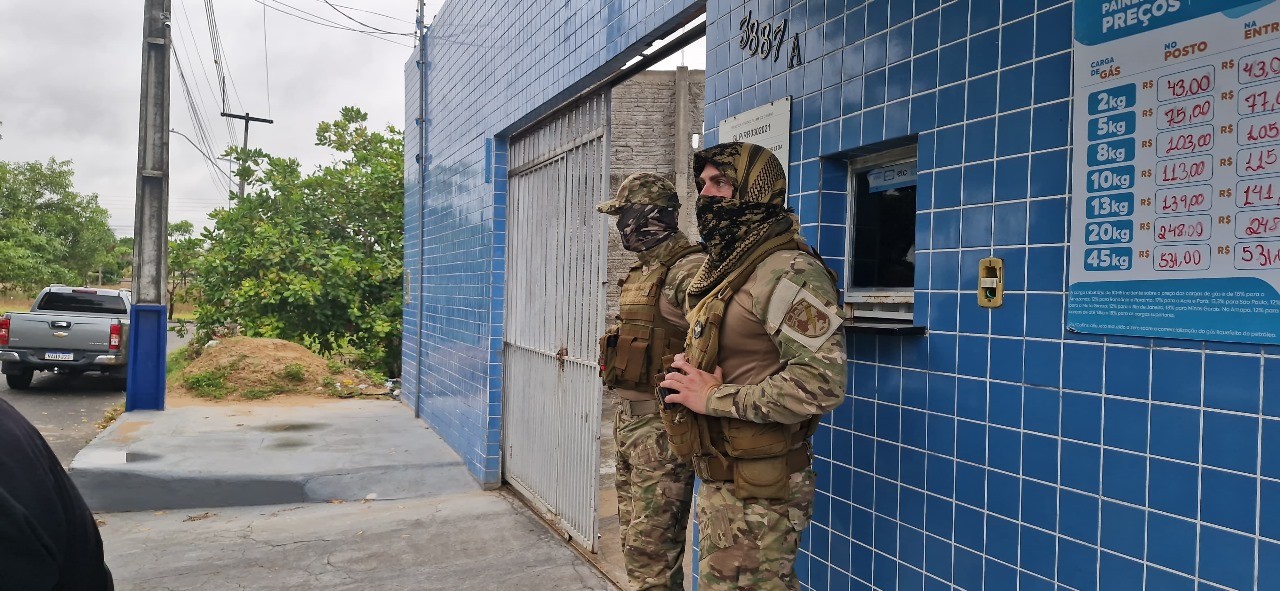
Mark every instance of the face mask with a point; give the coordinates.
(643, 227)
(721, 222)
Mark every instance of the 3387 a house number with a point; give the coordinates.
(765, 40)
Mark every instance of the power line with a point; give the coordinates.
(220, 58)
(330, 24)
(232, 139)
(202, 152)
(352, 19)
(387, 16)
(192, 109)
(266, 58)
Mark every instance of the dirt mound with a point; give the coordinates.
(251, 368)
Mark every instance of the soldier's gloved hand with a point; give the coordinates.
(691, 385)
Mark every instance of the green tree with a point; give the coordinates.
(121, 263)
(49, 233)
(185, 250)
(314, 258)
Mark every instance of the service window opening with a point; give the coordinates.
(881, 266)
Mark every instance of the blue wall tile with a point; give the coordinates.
(1064, 418)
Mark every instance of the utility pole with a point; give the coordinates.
(247, 120)
(147, 317)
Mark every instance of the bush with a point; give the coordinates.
(314, 258)
(208, 384)
(294, 372)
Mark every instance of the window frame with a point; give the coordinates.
(866, 299)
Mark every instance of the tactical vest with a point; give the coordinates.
(631, 353)
(757, 457)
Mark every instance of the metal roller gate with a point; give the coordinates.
(556, 266)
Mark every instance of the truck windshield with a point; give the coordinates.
(82, 302)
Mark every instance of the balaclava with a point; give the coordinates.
(647, 208)
(643, 227)
(732, 227)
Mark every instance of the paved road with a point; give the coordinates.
(65, 409)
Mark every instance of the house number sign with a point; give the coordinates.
(765, 40)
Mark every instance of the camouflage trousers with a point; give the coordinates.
(751, 544)
(654, 489)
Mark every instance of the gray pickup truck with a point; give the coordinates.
(69, 330)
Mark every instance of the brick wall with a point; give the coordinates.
(643, 127)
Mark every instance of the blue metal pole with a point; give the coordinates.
(148, 340)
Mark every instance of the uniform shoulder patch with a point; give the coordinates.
(807, 319)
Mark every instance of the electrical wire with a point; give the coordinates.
(317, 20)
(352, 19)
(220, 58)
(387, 16)
(199, 95)
(266, 59)
(232, 135)
(197, 120)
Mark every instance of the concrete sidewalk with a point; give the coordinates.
(308, 494)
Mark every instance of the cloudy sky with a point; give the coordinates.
(70, 71)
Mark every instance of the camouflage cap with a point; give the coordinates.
(642, 188)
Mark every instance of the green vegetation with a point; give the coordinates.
(313, 258)
(185, 250)
(294, 372)
(179, 359)
(209, 384)
(49, 233)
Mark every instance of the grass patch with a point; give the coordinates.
(179, 359)
(335, 366)
(256, 394)
(208, 384)
(294, 372)
(375, 376)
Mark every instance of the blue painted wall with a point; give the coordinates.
(491, 67)
(996, 452)
(999, 451)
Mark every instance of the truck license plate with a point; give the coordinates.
(51, 356)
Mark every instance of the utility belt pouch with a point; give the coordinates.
(748, 440)
(609, 356)
(682, 431)
(632, 354)
(761, 478)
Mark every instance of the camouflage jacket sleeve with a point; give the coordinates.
(796, 301)
(675, 288)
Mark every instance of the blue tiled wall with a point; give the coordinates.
(409, 357)
(999, 451)
(492, 66)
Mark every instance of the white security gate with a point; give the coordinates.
(556, 266)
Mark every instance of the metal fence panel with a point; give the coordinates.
(555, 313)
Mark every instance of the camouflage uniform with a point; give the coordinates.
(654, 487)
(779, 343)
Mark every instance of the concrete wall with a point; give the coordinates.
(643, 139)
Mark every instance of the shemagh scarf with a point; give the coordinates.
(733, 227)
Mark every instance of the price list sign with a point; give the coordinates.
(1175, 206)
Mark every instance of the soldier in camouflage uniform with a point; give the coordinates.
(654, 486)
(764, 359)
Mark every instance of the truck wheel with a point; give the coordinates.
(19, 381)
